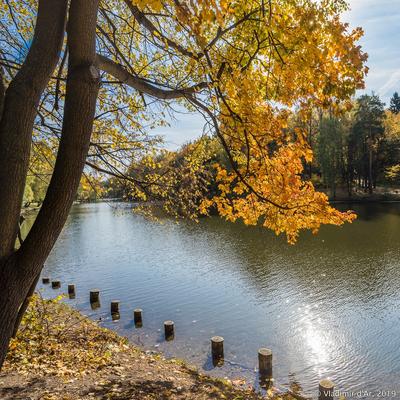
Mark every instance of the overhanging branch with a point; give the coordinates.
(120, 73)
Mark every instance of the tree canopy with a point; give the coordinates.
(83, 82)
(243, 65)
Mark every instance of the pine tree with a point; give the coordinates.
(395, 103)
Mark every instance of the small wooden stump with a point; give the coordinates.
(71, 291)
(115, 307)
(56, 284)
(115, 316)
(94, 296)
(137, 317)
(46, 281)
(265, 362)
(217, 350)
(326, 389)
(169, 330)
(95, 305)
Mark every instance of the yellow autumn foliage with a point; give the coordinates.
(245, 65)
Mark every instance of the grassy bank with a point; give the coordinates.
(60, 354)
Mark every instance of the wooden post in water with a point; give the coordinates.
(94, 295)
(326, 388)
(56, 284)
(217, 349)
(95, 305)
(137, 317)
(115, 307)
(265, 362)
(115, 316)
(71, 291)
(169, 330)
(46, 281)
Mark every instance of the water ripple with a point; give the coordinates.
(328, 306)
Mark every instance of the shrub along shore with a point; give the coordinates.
(60, 354)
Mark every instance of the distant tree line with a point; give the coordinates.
(359, 150)
(354, 153)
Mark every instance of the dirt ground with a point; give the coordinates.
(61, 355)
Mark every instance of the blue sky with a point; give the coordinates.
(380, 20)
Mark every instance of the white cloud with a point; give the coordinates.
(380, 20)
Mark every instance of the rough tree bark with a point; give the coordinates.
(20, 268)
(19, 104)
(2, 91)
(24, 306)
(25, 303)
(19, 110)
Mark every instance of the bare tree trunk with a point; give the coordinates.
(2, 91)
(80, 104)
(19, 110)
(27, 299)
(370, 177)
(24, 306)
(10, 300)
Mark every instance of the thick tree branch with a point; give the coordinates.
(79, 110)
(16, 67)
(117, 174)
(19, 110)
(120, 73)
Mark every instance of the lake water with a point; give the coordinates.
(327, 307)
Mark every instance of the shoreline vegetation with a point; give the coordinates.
(350, 157)
(85, 87)
(59, 354)
(381, 195)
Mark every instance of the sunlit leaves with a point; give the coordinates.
(257, 61)
(55, 340)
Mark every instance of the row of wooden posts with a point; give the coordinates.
(326, 387)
